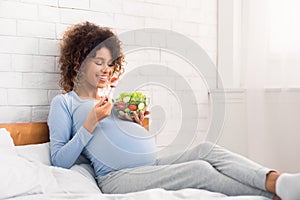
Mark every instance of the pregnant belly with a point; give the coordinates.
(119, 144)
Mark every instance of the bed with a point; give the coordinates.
(26, 172)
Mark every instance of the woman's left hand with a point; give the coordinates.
(136, 118)
(139, 118)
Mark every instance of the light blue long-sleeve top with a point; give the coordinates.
(114, 144)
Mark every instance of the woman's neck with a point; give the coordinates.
(86, 93)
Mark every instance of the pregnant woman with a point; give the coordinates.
(122, 153)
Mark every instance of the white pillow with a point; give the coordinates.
(86, 170)
(27, 175)
(74, 181)
(6, 143)
(41, 153)
(18, 176)
(35, 152)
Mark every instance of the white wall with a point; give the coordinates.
(278, 146)
(281, 148)
(234, 134)
(31, 30)
(268, 132)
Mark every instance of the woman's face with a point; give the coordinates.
(99, 69)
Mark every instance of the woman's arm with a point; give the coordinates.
(64, 150)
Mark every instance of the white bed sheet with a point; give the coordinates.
(78, 184)
(27, 169)
(153, 194)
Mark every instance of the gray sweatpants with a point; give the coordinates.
(206, 166)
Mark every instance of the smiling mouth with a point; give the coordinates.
(102, 78)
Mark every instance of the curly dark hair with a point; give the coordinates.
(81, 41)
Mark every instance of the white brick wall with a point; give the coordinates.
(29, 49)
(8, 26)
(18, 10)
(5, 62)
(22, 63)
(112, 6)
(11, 80)
(28, 97)
(78, 4)
(48, 14)
(35, 29)
(42, 2)
(18, 45)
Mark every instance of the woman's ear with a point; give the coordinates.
(83, 66)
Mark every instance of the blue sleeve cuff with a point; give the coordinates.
(84, 136)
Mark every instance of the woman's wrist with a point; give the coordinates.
(88, 128)
(90, 125)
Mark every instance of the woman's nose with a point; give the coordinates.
(105, 68)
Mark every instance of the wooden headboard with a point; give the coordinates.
(35, 132)
(28, 133)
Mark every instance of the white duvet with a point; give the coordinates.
(25, 173)
(77, 184)
(154, 194)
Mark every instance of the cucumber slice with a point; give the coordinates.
(127, 110)
(141, 106)
(121, 113)
(126, 99)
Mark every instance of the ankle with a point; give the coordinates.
(276, 197)
(271, 181)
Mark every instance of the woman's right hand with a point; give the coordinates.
(101, 110)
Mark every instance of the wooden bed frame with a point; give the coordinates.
(36, 132)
